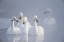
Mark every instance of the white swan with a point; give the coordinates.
(49, 21)
(36, 30)
(26, 28)
(13, 29)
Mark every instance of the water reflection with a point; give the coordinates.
(25, 38)
(50, 28)
(49, 33)
(14, 38)
(36, 38)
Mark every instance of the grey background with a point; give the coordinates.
(9, 8)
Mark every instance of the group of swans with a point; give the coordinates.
(25, 27)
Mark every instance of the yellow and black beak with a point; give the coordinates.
(36, 19)
(16, 20)
(44, 12)
(24, 21)
(20, 17)
(47, 11)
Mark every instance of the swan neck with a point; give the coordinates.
(35, 25)
(12, 24)
(26, 27)
(21, 22)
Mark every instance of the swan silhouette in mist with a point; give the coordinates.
(49, 20)
(36, 30)
(13, 29)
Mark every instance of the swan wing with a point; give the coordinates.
(29, 24)
(9, 31)
(40, 30)
(17, 30)
(50, 21)
(53, 21)
(45, 21)
(40, 27)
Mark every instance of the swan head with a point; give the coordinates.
(47, 11)
(35, 18)
(24, 20)
(21, 15)
(15, 19)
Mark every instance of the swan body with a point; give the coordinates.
(36, 30)
(29, 24)
(13, 29)
(41, 30)
(49, 20)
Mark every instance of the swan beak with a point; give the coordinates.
(19, 17)
(17, 21)
(24, 21)
(36, 20)
(45, 13)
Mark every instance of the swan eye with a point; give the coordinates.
(14, 18)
